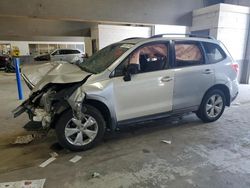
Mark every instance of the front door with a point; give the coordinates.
(149, 91)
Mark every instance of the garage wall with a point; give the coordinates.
(22, 45)
(108, 34)
(170, 29)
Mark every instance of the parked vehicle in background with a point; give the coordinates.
(68, 55)
(3, 60)
(130, 82)
(10, 66)
(44, 57)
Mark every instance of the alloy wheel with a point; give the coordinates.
(81, 132)
(214, 106)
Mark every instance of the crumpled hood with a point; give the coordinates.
(53, 72)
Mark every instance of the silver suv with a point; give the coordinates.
(128, 82)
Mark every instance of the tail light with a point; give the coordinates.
(235, 67)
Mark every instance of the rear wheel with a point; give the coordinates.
(79, 135)
(212, 106)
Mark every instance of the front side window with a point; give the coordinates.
(214, 52)
(148, 58)
(102, 59)
(187, 54)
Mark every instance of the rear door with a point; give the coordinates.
(72, 55)
(193, 75)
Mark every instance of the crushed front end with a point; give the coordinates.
(52, 85)
(47, 104)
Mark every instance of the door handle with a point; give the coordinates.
(208, 71)
(166, 79)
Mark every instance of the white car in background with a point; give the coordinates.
(68, 55)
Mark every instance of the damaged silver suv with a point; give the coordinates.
(128, 82)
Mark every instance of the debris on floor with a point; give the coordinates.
(40, 135)
(24, 139)
(236, 104)
(47, 162)
(24, 184)
(96, 175)
(75, 159)
(166, 141)
(175, 122)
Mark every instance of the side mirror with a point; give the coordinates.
(131, 69)
(127, 77)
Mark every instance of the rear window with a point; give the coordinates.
(188, 54)
(214, 52)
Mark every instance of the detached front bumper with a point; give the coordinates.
(20, 109)
(35, 114)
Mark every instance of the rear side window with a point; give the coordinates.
(188, 54)
(75, 52)
(214, 52)
(64, 52)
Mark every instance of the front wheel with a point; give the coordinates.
(81, 135)
(212, 106)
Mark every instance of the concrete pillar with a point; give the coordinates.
(229, 24)
(244, 79)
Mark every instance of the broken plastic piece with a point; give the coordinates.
(96, 175)
(166, 141)
(236, 104)
(47, 162)
(75, 159)
(24, 184)
(24, 139)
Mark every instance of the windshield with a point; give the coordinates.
(102, 59)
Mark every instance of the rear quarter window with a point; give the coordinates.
(188, 54)
(213, 52)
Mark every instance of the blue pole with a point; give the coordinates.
(18, 78)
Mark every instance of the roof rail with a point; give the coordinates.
(133, 38)
(185, 34)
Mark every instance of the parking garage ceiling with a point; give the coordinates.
(23, 19)
(74, 18)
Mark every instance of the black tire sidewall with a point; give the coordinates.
(202, 114)
(67, 115)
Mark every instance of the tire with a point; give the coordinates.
(209, 111)
(71, 137)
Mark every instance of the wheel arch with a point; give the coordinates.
(224, 89)
(103, 108)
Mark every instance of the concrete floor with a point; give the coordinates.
(200, 155)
